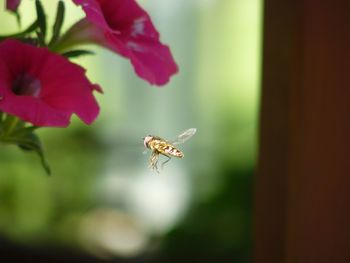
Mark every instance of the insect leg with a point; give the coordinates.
(169, 158)
(153, 161)
(155, 167)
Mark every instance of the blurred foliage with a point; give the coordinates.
(219, 229)
(37, 202)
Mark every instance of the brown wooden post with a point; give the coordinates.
(302, 211)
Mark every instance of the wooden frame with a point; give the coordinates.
(302, 193)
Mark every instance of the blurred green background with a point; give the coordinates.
(102, 198)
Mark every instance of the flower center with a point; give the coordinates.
(26, 85)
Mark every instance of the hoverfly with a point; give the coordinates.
(160, 146)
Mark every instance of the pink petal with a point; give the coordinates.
(124, 27)
(64, 89)
(12, 5)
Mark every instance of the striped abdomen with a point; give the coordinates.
(165, 148)
(171, 151)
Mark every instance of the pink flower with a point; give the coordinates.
(125, 28)
(12, 5)
(43, 88)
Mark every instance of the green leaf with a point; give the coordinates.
(28, 141)
(22, 34)
(11, 123)
(31, 142)
(26, 130)
(41, 18)
(77, 53)
(58, 23)
(18, 17)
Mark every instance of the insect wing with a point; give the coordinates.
(184, 136)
